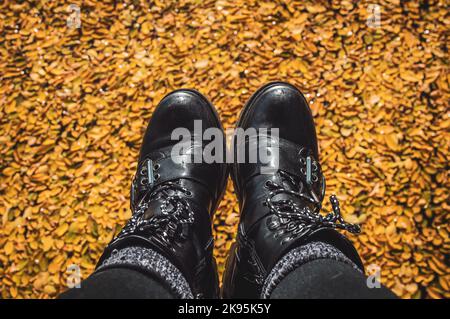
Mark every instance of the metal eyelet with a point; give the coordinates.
(156, 166)
(188, 194)
(144, 181)
(157, 176)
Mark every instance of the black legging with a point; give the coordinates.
(322, 278)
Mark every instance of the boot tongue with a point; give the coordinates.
(153, 209)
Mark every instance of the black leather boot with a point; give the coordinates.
(173, 201)
(280, 199)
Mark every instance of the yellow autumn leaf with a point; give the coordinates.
(9, 248)
(411, 76)
(61, 230)
(47, 243)
(391, 141)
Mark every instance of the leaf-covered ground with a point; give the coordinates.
(75, 102)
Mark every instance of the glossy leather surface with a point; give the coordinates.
(196, 188)
(283, 106)
(264, 237)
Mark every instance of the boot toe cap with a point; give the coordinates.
(179, 109)
(281, 105)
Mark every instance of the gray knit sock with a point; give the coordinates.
(152, 262)
(299, 256)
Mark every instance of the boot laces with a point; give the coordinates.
(295, 221)
(174, 217)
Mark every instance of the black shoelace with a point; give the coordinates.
(174, 217)
(292, 221)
